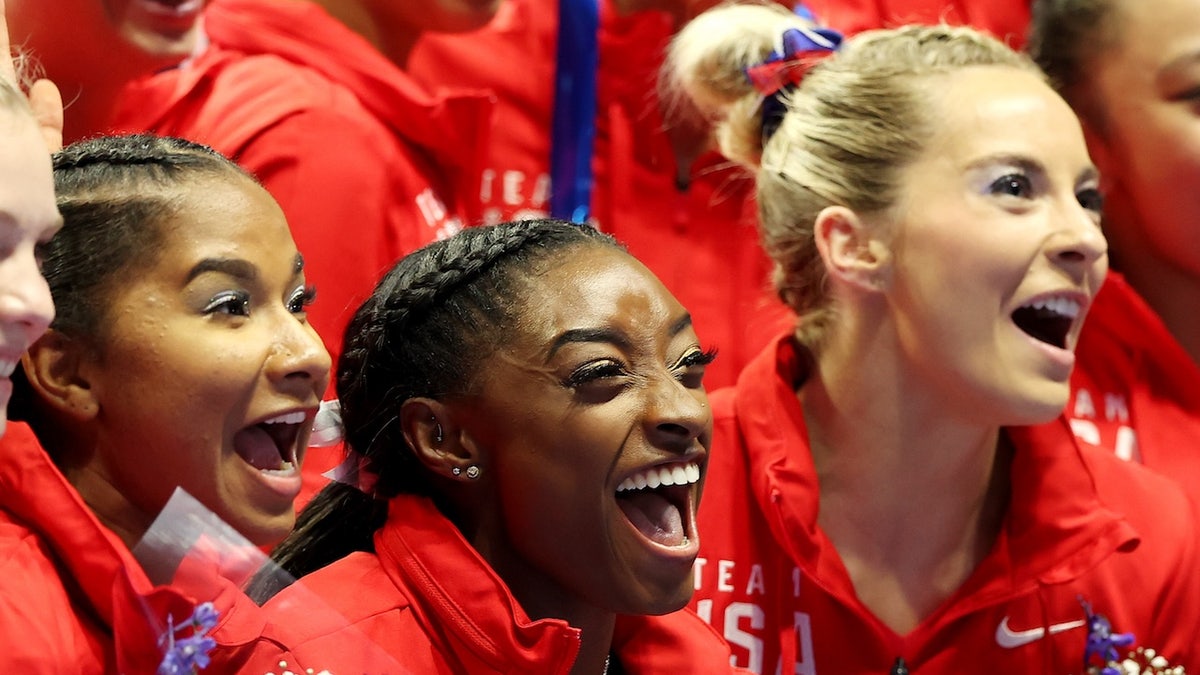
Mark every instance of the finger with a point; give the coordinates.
(6, 63)
(47, 105)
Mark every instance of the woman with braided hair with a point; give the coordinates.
(893, 485)
(525, 406)
(180, 357)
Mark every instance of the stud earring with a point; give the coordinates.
(472, 472)
(456, 471)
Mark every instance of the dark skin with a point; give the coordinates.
(601, 381)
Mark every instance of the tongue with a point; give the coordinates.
(258, 448)
(655, 517)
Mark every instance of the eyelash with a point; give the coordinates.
(233, 303)
(596, 370)
(237, 303)
(1020, 181)
(1091, 199)
(302, 299)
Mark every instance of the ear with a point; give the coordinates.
(55, 368)
(439, 443)
(852, 251)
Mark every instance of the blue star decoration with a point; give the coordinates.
(188, 655)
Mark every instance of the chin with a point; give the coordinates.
(265, 531)
(1046, 406)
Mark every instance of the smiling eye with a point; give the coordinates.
(594, 371)
(1013, 184)
(233, 303)
(690, 369)
(301, 299)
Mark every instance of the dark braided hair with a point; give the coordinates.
(115, 194)
(423, 332)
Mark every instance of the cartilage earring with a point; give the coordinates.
(456, 471)
(472, 472)
(437, 434)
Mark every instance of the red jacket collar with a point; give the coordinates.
(1057, 526)
(91, 557)
(451, 587)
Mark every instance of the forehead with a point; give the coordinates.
(596, 285)
(1154, 32)
(222, 213)
(1001, 111)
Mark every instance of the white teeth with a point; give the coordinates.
(7, 368)
(1059, 305)
(286, 469)
(287, 418)
(675, 474)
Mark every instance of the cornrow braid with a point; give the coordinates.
(114, 193)
(436, 315)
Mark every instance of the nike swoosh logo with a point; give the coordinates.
(1010, 639)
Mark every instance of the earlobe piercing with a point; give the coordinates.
(472, 471)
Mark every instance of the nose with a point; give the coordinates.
(25, 302)
(676, 415)
(298, 355)
(1079, 244)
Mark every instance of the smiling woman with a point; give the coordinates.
(893, 481)
(180, 356)
(527, 400)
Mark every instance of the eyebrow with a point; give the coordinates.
(1181, 61)
(1090, 172)
(234, 267)
(237, 268)
(608, 335)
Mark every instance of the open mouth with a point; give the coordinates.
(1048, 320)
(270, 445)
(657, 502)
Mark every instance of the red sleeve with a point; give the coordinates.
(37, 618)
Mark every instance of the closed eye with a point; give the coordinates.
(690, 368)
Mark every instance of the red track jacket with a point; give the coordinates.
(1005, 19)
(1135, 391)
(694, 228)
(72, 598)
(363, 162)
(1081, 525)
(427, 603)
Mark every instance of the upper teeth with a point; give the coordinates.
(287, 418)
(7, 368)
(1063, 306)
(674, 474)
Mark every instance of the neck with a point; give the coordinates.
(1169, 290)
(911, 497)
(111, 507)
(394, 39)
(537, 594)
